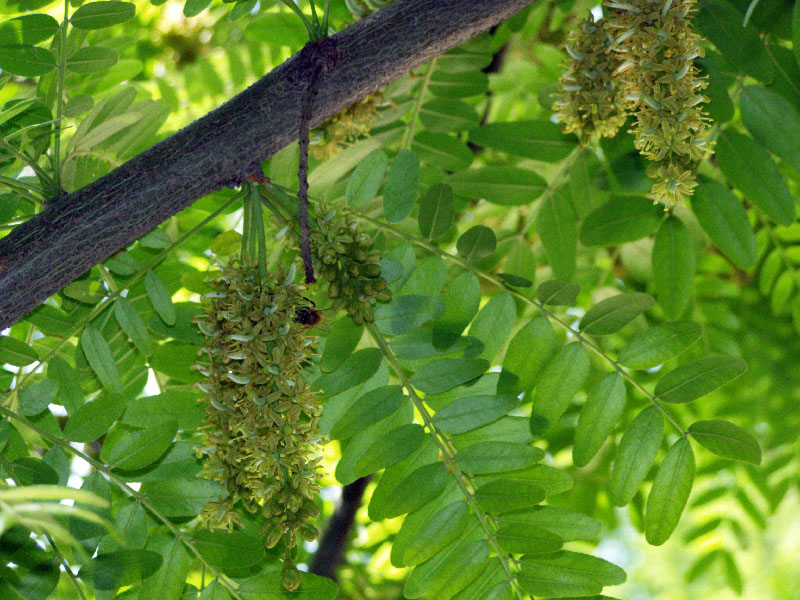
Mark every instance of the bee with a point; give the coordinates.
(308, 315)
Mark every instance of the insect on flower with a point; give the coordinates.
(309, 316)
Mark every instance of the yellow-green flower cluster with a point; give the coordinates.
(590, 104)
(657, 46)
(261, 434)
(345, 258)
(347, 126)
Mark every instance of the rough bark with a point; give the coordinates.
(333, 544)
(223, 148)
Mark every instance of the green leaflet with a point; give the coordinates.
(420, 487)
(92, 59)
(458, 85)
(506, 186)
(400, 190)
(567, 574)
(724, 219)
(472, 412)
(494, 323)
(598, 418)
(462, 297)
(340, 342)
(566, 524)
(97, 15)
(34, 398)
(449, 571)
(539, 140)
(727, 440)
(477, 242)
(160, 298)
(356, 369)
(268, 585)
(558, 230)
(406, 313)
(28, 29)
(94, 418)
(496, 457)
(425, 532)
(442, 150)
(527, 353)
(741, 46)
(503, 495)
(229, 551)
(123, 567)
(670, 491)
(635, 455)
(442, 114)
(527, 540)
(508, 429)
(17, 353)
(696, 379)
(140, 448)
(26, 60)
(51, 320)
(437, 211)
(99, 357)
(384, 493)
(660, 344)
(444, 374)
(368, 409)
(751, 169)
(181, 497)
(620, 220)
(673, 267)
(133, 325)
(560, 381)
(181, 406)
(170, 579)
(33, 471)
(390, 448)
(773, 121)
(558, 293)
(612, 314)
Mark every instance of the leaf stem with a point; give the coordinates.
(591, 345)
(417, 105)
(62, 69)
(231, 586)
(447, 452)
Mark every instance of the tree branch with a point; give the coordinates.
(332, 545)
(223, 148)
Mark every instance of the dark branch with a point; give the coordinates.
(332, 545)
(223, 148)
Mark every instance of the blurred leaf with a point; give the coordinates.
(612, 314)
(477, 242)
(496, 457)
(506, 186)
(123, 567)
(673, 267)
(621, 220)
(724, 219)
(539, 140)
(97, 15)
(400, 190)
(366, 179)
(437, 211)
(98, 355)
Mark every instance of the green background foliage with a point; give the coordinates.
(566, 377)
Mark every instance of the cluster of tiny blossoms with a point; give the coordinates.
(657, 47)
(590, 104)
(261, 433)
(345, 258)
(646, 47)
(344, 128)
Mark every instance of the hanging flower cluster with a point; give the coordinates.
(346, 127)
(261, 433)
(651, 57)
(657, 47)
(344, 256)
(590, 104)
